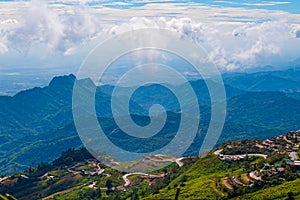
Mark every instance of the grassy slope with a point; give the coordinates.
(276, 192)
(200, 183)
(199, 180)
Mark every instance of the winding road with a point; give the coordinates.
(127, 181)
(100, 170)
(178, 161)
(218, 152)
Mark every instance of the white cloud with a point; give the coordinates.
(267, 3)
(259, 44)
(249, 45)
(184, 26)
(59, 32)
(70, 51)
(236, 38)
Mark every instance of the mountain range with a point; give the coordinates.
(37, 124)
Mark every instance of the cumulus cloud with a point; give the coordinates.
(257, 45)
(232, 45)
(247, 46)
(59, 32)
(184, 26)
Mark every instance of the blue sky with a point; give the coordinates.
(238, 35)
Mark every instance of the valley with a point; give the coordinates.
(36, 125)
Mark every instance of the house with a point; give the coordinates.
(295, 165)
(297, 162)
(280, 169)
(277, 165)
(295, 149)
(266, 165)
(270, 149)
(259, 146)
(236, 181)
(288, 160)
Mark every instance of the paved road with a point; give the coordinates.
(178, 161)
(250, 155)
(41, 177)
(127, 181)
(100, 171)
(72, 171)
(257, 155)
(4, 178)
(24, 176)
(289, 141)
(218, 152)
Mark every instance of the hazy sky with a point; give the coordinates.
(239, 35)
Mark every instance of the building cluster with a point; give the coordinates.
(287, 145)
(231, 157)
(93, 169)
(293, 136)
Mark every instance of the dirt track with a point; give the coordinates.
(225, 182)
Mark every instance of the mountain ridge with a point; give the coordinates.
(28, 116)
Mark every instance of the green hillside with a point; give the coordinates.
(276, 192)
(247, 169)
(36, 125)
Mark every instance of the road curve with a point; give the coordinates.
(178, 161)
(127, 181)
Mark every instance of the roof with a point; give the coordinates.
(297, 164)
(280, 169)
(287, 160)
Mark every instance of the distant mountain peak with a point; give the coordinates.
(63, 80)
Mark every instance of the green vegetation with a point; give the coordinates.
(7, 197)
(38, 131)
(276, 192)
(75, 175)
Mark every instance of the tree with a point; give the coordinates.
(97, 193)
(108, 184)
(290, 196)
(177, 193)
(135, 195)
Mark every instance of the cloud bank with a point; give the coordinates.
(249, 45)
(236, 39)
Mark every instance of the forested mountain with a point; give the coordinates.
(37, 124)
